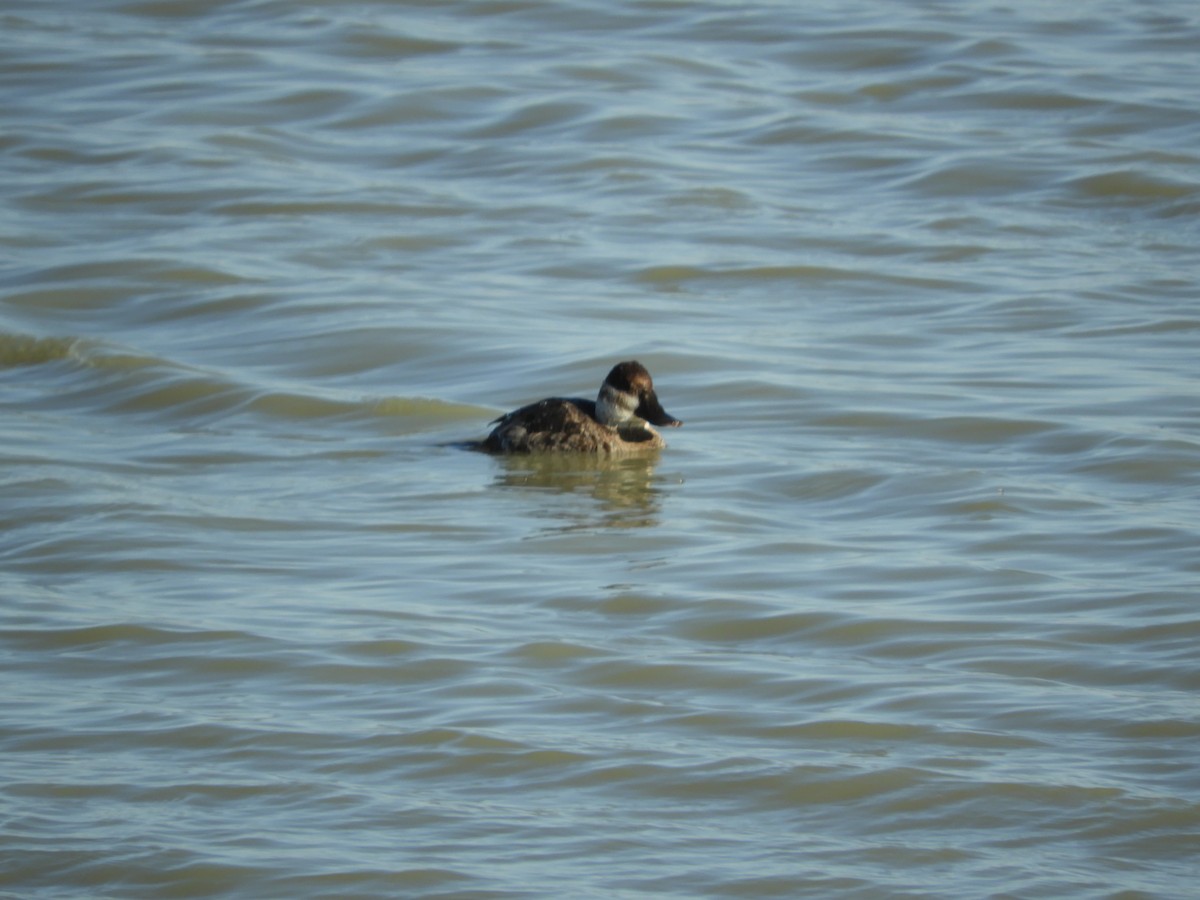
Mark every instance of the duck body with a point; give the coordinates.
(619, 421)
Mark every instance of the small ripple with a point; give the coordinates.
(980, 176)
(93, 637)
(532, 117)
(952, 429)
(24, 350)
(658, 276)
(1133, 186)
(391, 46)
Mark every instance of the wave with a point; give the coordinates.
(108, 379)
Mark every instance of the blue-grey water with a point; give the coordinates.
(910, 607)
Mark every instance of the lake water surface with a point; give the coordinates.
(910, 607)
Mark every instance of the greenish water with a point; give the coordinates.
(906, 609)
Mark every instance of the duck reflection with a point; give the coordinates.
(624, 488)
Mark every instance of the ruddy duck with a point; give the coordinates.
(618, 421)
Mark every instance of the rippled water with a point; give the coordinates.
(908, 608)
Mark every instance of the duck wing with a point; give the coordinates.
(548, 424)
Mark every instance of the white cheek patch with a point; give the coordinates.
(614, 407)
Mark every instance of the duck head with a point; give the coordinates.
(628, 393)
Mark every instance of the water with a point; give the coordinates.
(907, 608)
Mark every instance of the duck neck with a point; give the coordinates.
(615, 408)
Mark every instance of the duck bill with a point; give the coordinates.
(651, 410)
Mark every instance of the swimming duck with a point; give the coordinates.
(618, 421)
